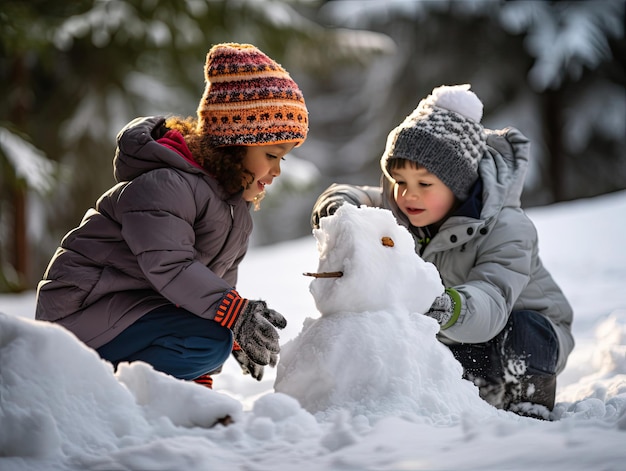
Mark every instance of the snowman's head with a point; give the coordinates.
(370, 265)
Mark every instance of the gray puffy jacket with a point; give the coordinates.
(166, 233)
(492, 260)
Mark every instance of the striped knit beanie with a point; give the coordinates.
(249, 99)
(444, 135)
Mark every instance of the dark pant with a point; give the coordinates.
(517, 366)
(173, 341)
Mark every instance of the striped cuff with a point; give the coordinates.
(231, 306)
(205, 380)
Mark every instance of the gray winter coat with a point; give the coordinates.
(166, 233)
(493, 261)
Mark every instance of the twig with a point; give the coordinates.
(325, 274)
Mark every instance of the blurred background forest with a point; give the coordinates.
(74, 72)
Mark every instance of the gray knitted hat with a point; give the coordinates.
(444, 135)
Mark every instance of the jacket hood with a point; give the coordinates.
(138, 152)
(503, 170)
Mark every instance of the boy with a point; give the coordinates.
(456, 187)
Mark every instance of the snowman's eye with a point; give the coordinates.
(387, 241)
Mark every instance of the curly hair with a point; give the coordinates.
(223, 163)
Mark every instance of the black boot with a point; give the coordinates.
(531, 395)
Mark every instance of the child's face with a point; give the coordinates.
(421, 195)
(264, 163)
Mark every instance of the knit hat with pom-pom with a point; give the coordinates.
(444, 135)
(249, 99)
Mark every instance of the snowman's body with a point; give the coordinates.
(371, 351)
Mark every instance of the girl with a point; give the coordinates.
(150, 273)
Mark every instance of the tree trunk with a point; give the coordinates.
(18, 115)
(553, 135)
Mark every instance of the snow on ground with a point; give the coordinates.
(62, 408)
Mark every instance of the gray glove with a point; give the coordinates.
(249, 367)
(328, 205)
(446, 308)
(255, 332)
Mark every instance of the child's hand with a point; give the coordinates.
(255, 330)
(248, 366)
(446, 308)
(330, 205)
(327, 208)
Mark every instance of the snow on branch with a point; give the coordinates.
(30, 163)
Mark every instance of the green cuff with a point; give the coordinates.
(456, 310)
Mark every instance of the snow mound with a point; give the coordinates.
(604, 387)
(59, 398)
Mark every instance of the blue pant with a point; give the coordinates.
(517, 365)
(173, 341)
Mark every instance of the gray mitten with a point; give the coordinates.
(327, 208)
(254, 327)
(446, 308)
(328, 205)
(248, 366)
(255, 332)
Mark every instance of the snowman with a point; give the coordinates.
(371, 352)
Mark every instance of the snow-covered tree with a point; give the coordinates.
(74, 72)
(553, 69)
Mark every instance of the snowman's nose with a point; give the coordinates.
(387, 241)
